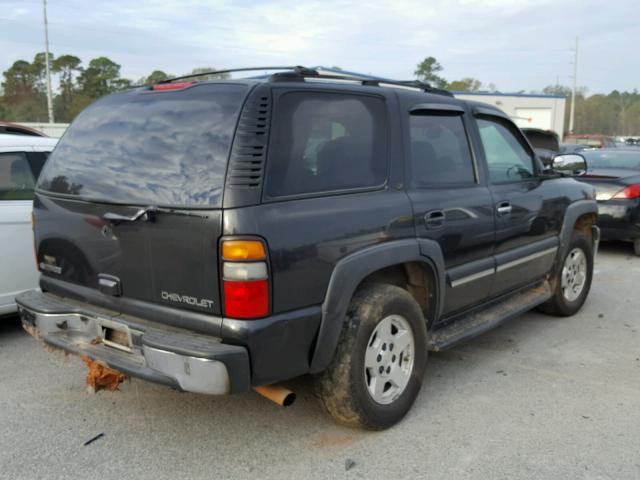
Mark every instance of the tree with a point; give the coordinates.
(215, 76)
(622, 102)
(66, 66)
(22, 97)
(465, 85)
(101, 78)
(557, 90)
(426, 72)
(40, 70)
(155, 77)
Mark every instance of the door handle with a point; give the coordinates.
(434, 219)
(504, 208)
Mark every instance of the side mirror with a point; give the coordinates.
(570, 163)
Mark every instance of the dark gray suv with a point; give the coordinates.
(221, 235)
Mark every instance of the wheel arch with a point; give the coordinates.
(409, 261)
(581, 216)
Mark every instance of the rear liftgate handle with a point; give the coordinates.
(434, 219)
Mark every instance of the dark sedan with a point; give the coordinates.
(615, 174)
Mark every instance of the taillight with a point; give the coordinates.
(245, 279)
(632, 191)
(162, 87)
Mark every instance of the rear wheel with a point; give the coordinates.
(636, 247)
(379, 364)
(573, 280)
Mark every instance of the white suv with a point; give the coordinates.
(21, 159)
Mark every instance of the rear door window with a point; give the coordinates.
(440, 152)
(36, 162)
(149, 148)
(16, 177)
(324, 142)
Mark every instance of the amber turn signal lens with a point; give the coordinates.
(243, 250)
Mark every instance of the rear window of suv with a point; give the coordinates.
(324, 142)
(149, 148)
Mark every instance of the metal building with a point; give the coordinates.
(526, 110)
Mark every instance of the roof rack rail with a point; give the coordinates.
(299, 73)
(296, 68)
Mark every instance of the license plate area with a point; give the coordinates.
(116, 335)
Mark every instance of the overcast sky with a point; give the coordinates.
(516, 45)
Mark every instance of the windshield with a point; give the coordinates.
(149, 148)
(610, 159)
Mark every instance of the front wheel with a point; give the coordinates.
(636, 247)
(573, 280)
(379, 364)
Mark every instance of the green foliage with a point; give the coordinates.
(155, 77)
(23, 92)
(426, 71)
(215, 76)
(465, 85)
(100, 78)
(617, 113)
(67, 67)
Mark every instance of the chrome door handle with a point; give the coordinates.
(434, 219)
(504, 208)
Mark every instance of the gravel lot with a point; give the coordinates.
(539, 397)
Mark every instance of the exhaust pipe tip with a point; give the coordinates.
(277, 394)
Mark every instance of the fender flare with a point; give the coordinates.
(574, 211)
(352, 269)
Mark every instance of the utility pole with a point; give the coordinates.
(573, 91)
(46, 61)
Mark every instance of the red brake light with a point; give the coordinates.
(162, 87)
(246, 299)
(632, 191)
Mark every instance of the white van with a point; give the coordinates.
(21, 159)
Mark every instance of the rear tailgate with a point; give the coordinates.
(169, 260)
(164, 152)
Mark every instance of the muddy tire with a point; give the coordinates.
(573, 279)
(372, 381)
(636, 247)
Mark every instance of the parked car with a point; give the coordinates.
(246, 232)
(545, 143)
(593, 141)
(615, 174)
(573, 147)
(21, 159)
(17, 129)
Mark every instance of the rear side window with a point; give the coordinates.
(440, 152)
(16, 178)
(324, 142)
(149, 148)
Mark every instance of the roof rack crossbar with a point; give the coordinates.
(296, 68)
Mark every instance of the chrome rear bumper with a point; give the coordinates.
(180, 359)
